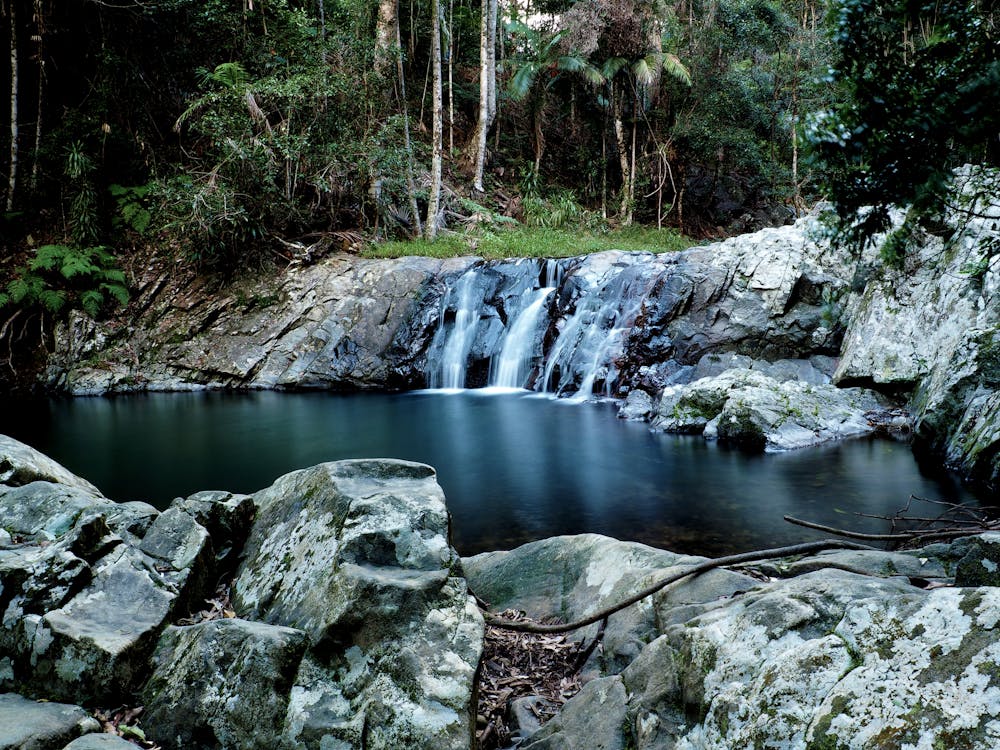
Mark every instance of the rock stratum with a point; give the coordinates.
(352, 626)
(671, 332)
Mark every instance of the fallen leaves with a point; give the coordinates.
(219, 607)
(517, 665)
(123, 721)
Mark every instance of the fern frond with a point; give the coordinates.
(676, 69)
(52, 300)
(522, 80)
(117, 292)
(91, 301)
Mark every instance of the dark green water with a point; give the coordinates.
(514, 467)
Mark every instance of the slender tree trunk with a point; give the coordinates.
(451, 80)
(12, 180)
(487, 86)
(411, 189)
(625, 211)
(434, 200)
(385, 35)
(322, 20)
(40, 24)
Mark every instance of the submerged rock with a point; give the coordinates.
(757, 411)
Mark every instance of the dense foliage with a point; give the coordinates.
(917, 86)
(230, 134)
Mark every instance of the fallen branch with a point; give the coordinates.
(524, 626)
(906, 536)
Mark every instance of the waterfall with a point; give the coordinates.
(513, 366)
(592, 338)
(455, 341)
(494, 320)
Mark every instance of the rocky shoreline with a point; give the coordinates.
(351, 625)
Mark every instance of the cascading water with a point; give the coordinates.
(592, 338)
(512, 368)
(455, 341)
(497, 313)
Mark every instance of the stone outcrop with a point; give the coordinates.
(345, 322)
(836, 650)
(361, 632)
(757, 411)
(780, 301)
(354, 628)
(932, 329)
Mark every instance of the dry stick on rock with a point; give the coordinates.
(745, 557)
(906, 536)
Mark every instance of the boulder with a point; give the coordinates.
(826, 659)
(21, 464)
(223, 683)
(356, 555)
(756, 411)
(980, 566)
(31, 725)
(100, 741)
(570, 577)
(591, 720)
(82, 605)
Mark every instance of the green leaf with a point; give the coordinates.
(521, 82)
(91, 301)
(52, 300)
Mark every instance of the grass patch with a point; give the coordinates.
(534, 242)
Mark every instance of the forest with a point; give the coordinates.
(233, 135)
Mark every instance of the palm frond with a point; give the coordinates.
(674, 68)
(522, 80)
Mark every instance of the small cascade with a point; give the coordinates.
(553, 273)
(592, 338)
(455, 341)
(512, 367)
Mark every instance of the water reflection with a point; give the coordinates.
(514, 467)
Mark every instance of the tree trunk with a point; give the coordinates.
(625, 211)
(411, 190)
(40, 24)
(434, 200)
(12, 180)
(487, 86)
(451, 76)
(322, 20)
(385, 35)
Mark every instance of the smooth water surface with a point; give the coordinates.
(514, 467)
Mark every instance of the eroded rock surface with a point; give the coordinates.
(356, 555)
(758, 411)
(825, 659)
(32, 725)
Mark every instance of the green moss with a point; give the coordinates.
(822, 739)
